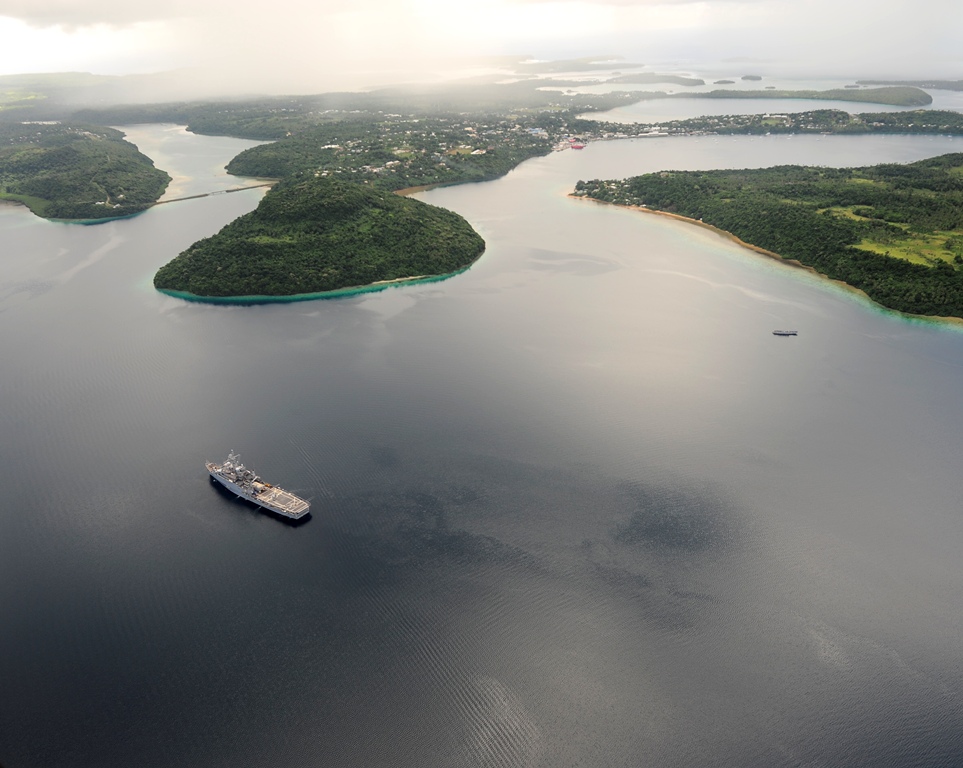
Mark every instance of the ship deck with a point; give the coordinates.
(281, 498)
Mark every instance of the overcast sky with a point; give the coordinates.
(313, 45)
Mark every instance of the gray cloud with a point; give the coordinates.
(299, 45)
(69, 13)
(74, 13)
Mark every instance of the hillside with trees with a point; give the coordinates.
(893, 231)
(397, 152)
(317, 234)
(64, 171)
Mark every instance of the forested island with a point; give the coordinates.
(894, 232)
(897, 96)
(651, 78)
(69, 171)
(318, 234)
(825, 121)
(374, 142)
(940, 85)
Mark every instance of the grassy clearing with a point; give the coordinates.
(855, 179)
(900, 241)
(18, 99)
(845, 213)
(926, 249)
(916, 247)
(269, 240)
(37, 205)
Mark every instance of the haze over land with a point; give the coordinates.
(242, 47)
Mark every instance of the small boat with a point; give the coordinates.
(785, 333)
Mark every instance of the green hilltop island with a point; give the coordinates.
(333, 224)
(894, 232)
(317, 235)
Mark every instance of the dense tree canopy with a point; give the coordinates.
(893, 231)
(64, 171)
(321, 234)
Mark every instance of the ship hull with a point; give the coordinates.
(262, 502)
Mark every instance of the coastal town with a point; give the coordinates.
(399, 151)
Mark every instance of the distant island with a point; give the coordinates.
(824, 121)
(939, 85)
(895, 232)
(581, 64)
(315, 235)
(80, 172)
(359, 147)
(646, 78)
(897, 96)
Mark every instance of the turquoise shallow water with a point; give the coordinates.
(576, 505)
(337, 294)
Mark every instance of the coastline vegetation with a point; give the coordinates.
(939, 85)
(647, 78)
(825, 121)
(897, 96)
(279, 117)
(67, 171)
(321, 234)
(399, 152)
(894, 232)
(361, 146)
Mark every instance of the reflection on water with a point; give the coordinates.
(672, 522)
(574, 506)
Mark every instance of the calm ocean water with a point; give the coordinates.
(576, 506)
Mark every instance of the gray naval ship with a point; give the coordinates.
(243, 482)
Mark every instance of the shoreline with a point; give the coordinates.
(5, 201)
(336, 293)
(405, 191)
(950, 320)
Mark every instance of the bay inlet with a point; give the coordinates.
(575, 505)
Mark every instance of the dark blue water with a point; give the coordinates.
(576, 506)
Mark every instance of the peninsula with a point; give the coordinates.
(895, 232)
(359, 147)
(319, 234)
(72, 171)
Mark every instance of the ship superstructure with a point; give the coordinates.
(243, 482)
